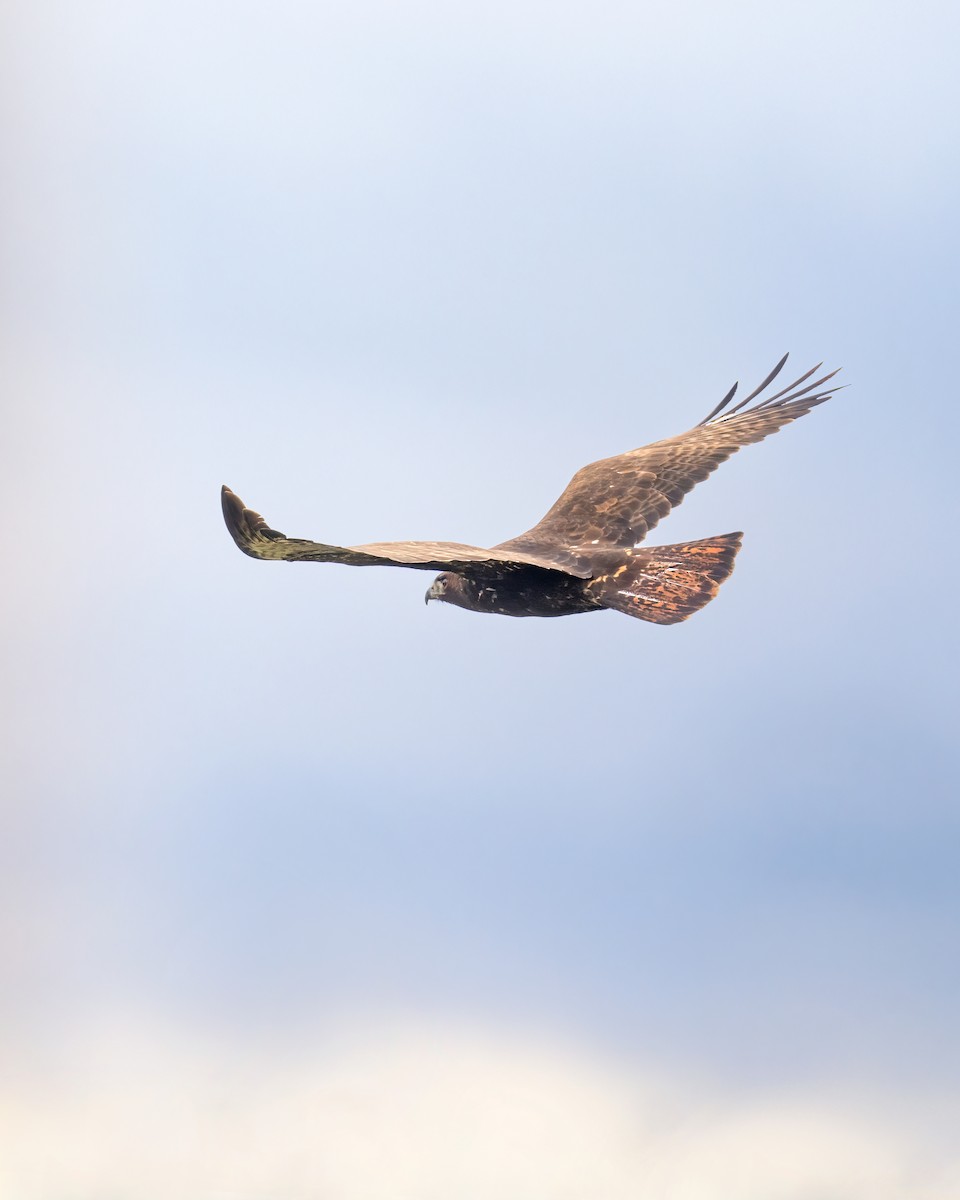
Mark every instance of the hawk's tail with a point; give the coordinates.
(666, 584)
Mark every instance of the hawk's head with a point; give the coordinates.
(451, 589)
(441, 587)
(464, 592)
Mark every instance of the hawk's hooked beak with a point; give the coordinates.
(434, 592)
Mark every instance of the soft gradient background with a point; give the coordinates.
(310, 891)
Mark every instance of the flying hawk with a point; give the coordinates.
(584, 555)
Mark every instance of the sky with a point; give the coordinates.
(309, 890)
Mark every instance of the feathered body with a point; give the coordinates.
(663, 584)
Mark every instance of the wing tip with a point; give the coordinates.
(791, 396)
(246, 527)
(229, 499)
(233, 510)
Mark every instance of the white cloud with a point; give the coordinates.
(427, 1113)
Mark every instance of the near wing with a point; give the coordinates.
(254, 537)
(616, 501)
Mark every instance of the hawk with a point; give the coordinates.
(585, 555)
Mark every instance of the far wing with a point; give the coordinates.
(616, 501)
(254, 537)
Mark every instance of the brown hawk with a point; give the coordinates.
(584, 556)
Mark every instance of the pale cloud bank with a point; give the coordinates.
(405, 1110)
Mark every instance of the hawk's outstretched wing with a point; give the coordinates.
(617, 501)
(254, 537)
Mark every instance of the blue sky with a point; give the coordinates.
(397, 271)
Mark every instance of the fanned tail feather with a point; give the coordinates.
(667, 584)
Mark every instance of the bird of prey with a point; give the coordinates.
(585, 555)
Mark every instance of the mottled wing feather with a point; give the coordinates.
(255, 537)
(617, 501)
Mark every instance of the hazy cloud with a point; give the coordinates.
(426, 1112)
